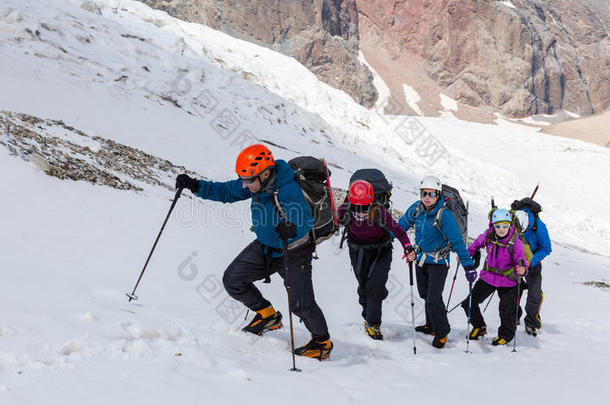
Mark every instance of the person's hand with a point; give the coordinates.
(409, 252)
(520, 270)
(185, 181)
(286, 230)
(476, 258)
(470, 273)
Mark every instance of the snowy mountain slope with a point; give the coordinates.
(67, 329)
(161, 61)
(70, 249)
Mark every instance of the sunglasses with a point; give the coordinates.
(361, 209)
(249, 180)
(501, 226)
(432, 194)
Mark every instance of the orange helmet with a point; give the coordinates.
(254, 160)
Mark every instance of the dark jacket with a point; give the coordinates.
(368, 231)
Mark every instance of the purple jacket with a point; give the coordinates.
(499, 257)
(368, 232)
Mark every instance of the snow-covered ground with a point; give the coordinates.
(69, 250)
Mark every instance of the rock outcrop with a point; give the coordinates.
(321, 34)
(519, 57)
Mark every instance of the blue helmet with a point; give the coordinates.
(501, 215)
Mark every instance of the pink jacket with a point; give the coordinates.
(499, 257)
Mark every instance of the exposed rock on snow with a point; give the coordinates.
(598, 284)
(67, 153)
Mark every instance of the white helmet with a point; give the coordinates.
(523, 219)
(431, 182)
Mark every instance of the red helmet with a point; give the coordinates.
(254, 160)
(361, 193)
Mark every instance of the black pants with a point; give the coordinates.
(534, 297)
(430, 284)
(249, 266)
(507, 307)
(371, 268)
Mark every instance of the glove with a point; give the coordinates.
(476, 258)
(471, 273)
(408, 249)
(185, 181)
(286, 230)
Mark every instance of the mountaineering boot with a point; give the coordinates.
(425, 329)
(439, 342)
(317, 348)
(530, 330)
(374, 331)
(476, 333)
(498, 341)
(265, 319)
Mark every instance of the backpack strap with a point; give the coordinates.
(437, 218)
(440, 254)
(275, 197)
(307, 238)
(345, 223)
(343, 235)
(510, 273)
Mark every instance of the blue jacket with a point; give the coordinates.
(429, 238)
(264, 215)
(539, 241)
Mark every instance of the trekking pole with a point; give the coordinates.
(517, 309)
(285, 249)
(490, 297)
(133, 295)
(283, 216)
(535, 191)
(456, 305)
(412, 305)
(452, 284)
(458, 264)
(469, 309)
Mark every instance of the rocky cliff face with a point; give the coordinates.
(519, 57)
(321, 34)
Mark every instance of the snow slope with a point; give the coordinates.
(69, 250)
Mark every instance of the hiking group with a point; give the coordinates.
(293, 210)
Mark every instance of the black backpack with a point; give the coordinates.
(531, 205)
(382, 191)
(382, 188)
(455, 204)
(311, 175)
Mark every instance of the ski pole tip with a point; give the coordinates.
(131, 296)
